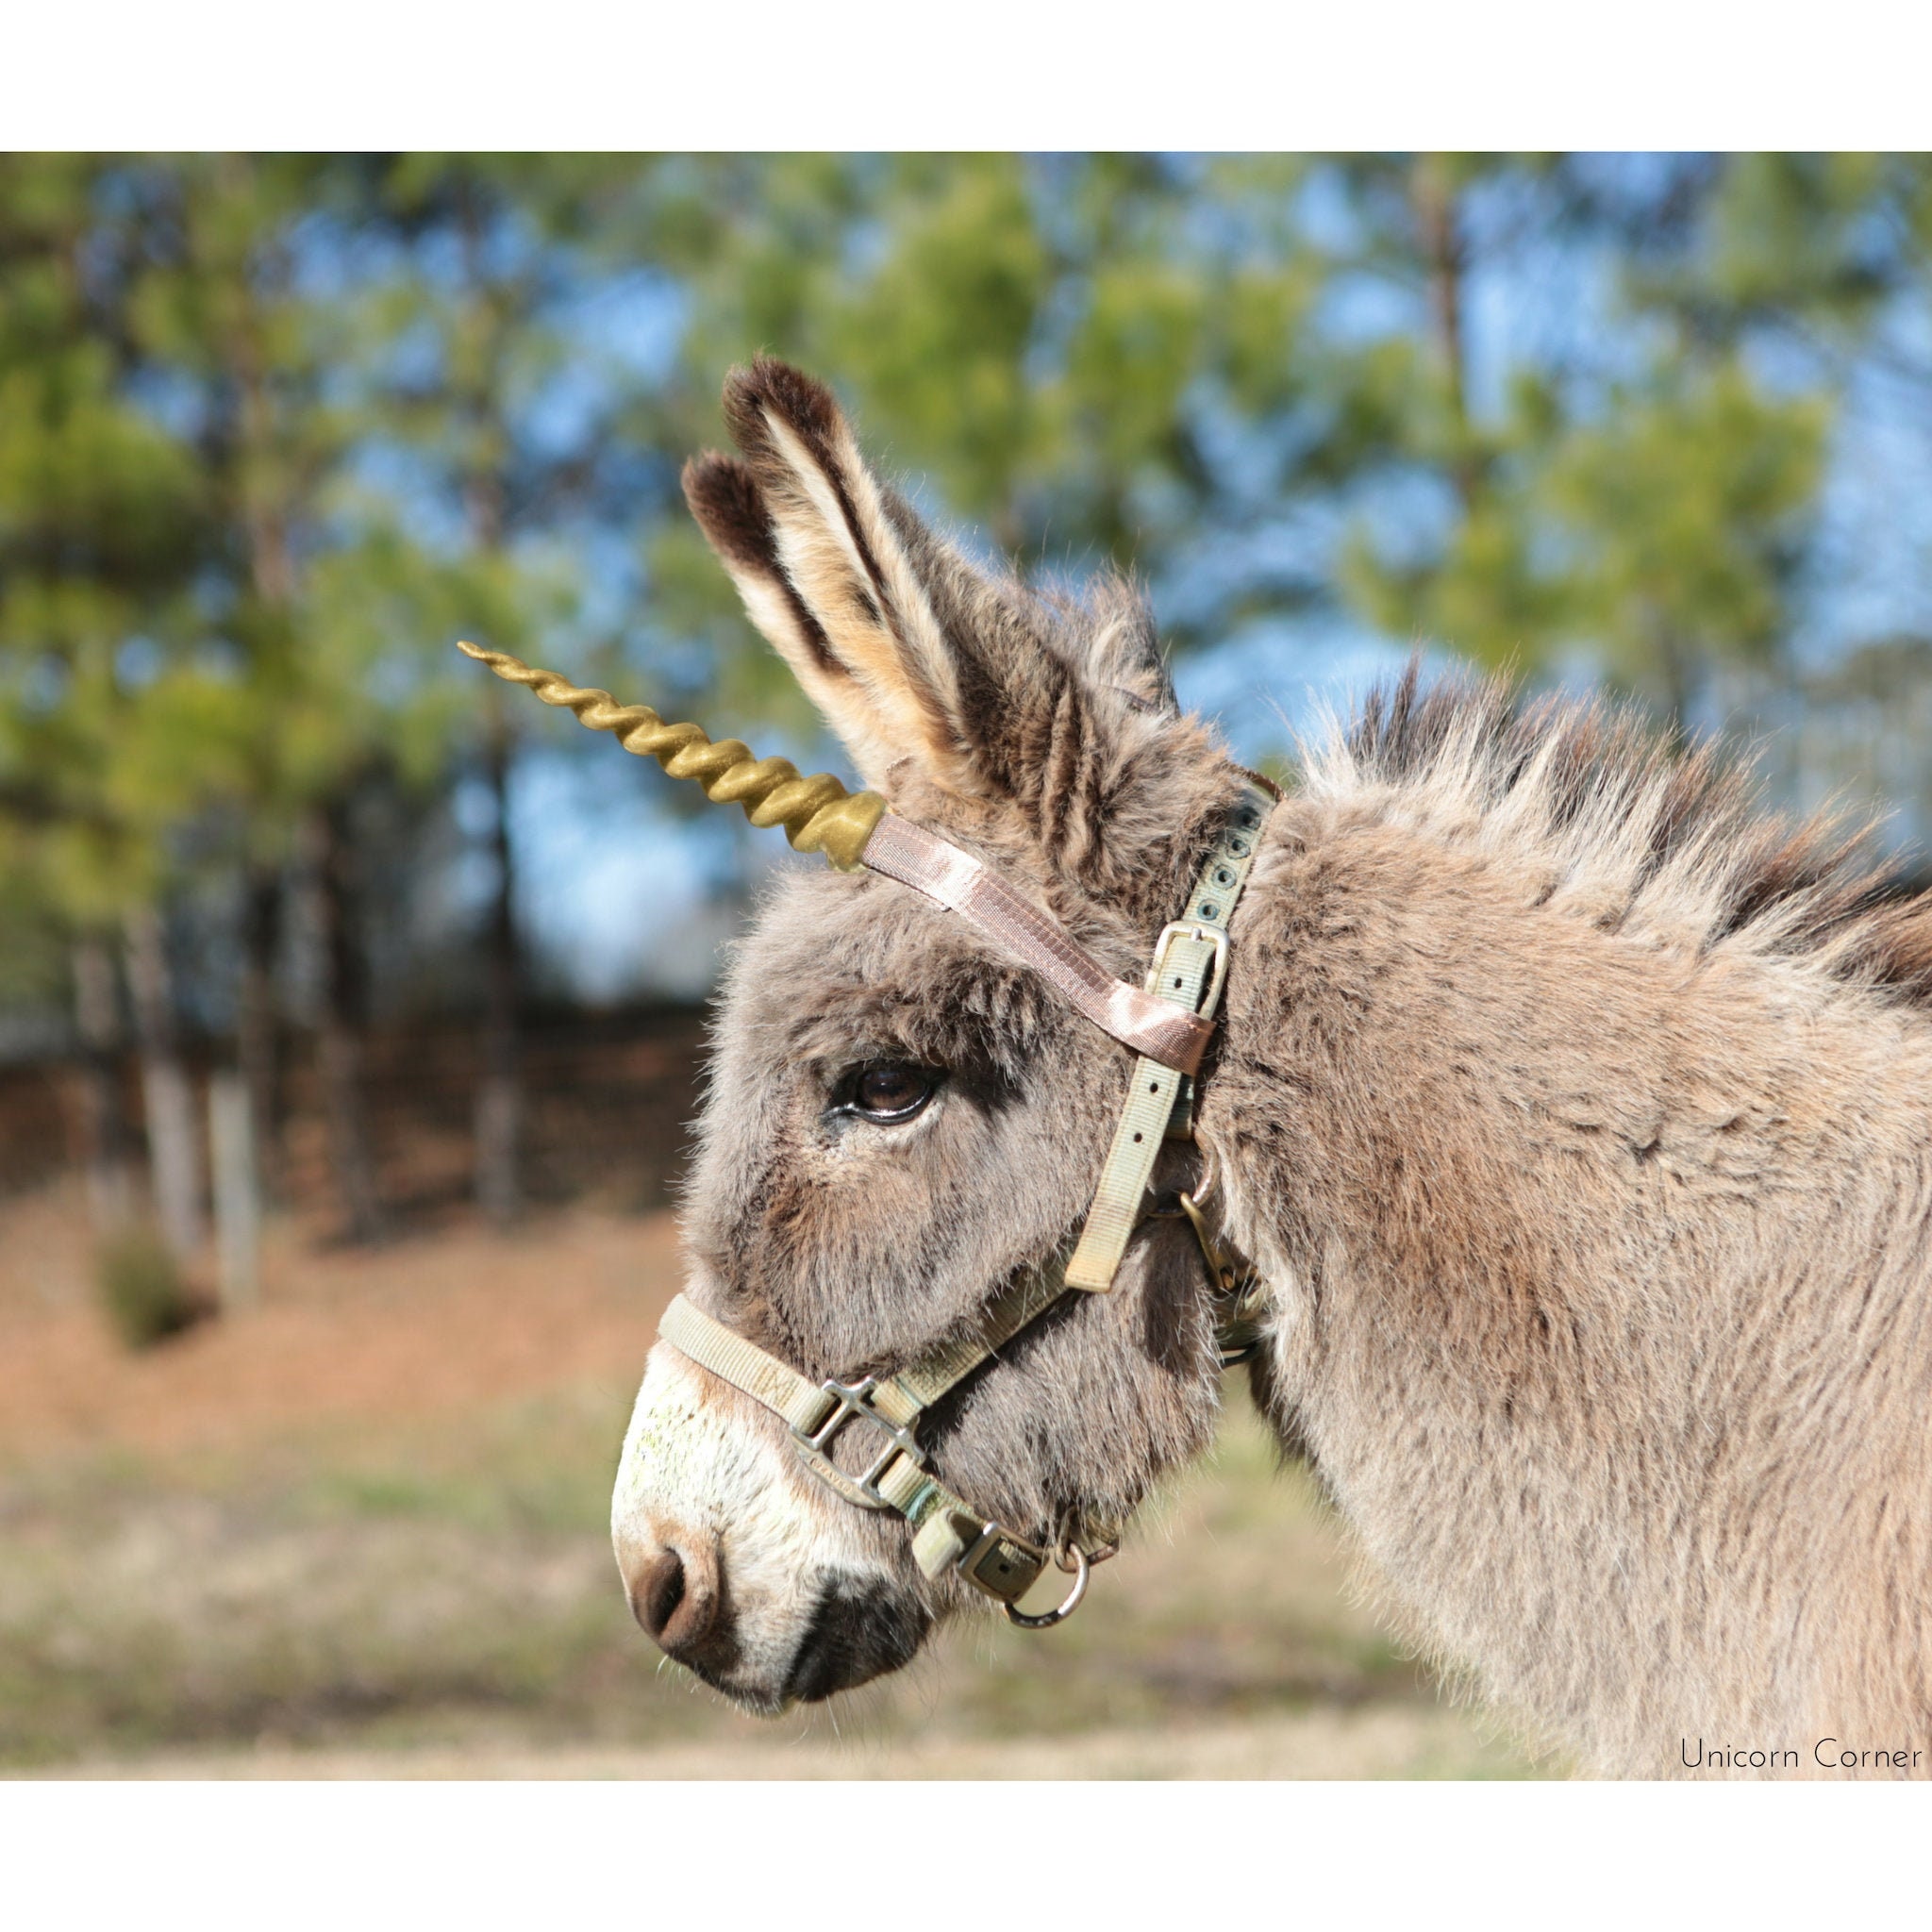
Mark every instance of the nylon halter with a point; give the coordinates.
(1168, 1021)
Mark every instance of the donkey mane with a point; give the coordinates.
(1617, 823)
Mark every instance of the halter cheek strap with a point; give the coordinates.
(1169, 1017)
(1189, 969)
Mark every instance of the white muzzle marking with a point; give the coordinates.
(701, 1463)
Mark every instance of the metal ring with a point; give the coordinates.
(1047, 1619)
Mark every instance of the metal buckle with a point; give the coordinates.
(850, 1401)
(1217, 973)
(1239, 1330)
(986, 1568)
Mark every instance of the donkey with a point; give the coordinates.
(1571, 1115)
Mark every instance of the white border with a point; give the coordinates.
(1000, 73)
(932, 1857)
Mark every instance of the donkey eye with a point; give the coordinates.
(891, 1090)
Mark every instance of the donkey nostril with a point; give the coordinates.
(678, 1599)
(659, 1593)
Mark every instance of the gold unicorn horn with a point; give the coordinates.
(818, 813)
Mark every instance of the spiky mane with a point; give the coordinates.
(1605, 817)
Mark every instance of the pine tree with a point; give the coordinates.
(464, 344)
(101, 524)
(236, 312)
(1649, 517)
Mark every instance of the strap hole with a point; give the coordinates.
(1210, 912)
(1223, 877)
(1154, 1086)
(1137, 1139)
(1176, 982)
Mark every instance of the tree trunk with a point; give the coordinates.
(499, 1105)
(1434, 200)
(238, 1192)
(264, 503)
(104, 1120)
(499, 1098)
(257, 1059)
(173, 1139)
(339, 1043)
(1673, 663)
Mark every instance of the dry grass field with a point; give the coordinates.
(361, 1532)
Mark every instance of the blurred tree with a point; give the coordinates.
(263, 724)
(1685, 512)
(274, 430)
(1128, 358)
(1649, 508)
(252, 311)
(471, 374)
(102, 525)
(1808, 247)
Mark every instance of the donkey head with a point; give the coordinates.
(901, 1117)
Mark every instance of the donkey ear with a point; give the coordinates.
(1124, 652)
(833, 569)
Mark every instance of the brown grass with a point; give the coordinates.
(438, 1323)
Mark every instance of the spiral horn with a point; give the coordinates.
(818, 813)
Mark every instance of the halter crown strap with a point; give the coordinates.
(857, 828)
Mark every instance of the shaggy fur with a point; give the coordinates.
(1573, 1111)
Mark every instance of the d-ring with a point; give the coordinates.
(1047, 1619)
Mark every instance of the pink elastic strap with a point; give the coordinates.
(932, 865)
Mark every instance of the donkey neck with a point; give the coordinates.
(1563, 1224)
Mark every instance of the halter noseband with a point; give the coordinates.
(1168, 1021)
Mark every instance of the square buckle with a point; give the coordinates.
(851, 1401)
(989, 1565)
(1217, 971)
